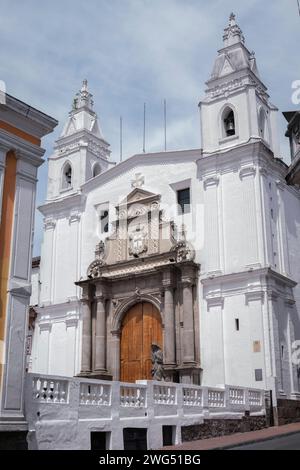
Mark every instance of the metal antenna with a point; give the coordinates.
(165, 123)
(121, 138)
(144, 131)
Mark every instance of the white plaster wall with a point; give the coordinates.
(35, 286)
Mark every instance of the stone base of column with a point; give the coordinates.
(189, 374)
(97, 375)
(171, 374)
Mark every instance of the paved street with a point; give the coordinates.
(277, 437)
(290, 442)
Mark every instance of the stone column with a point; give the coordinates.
(86, 336)
(100, 334)
(169, 330)
(188, 323)
(115, 359)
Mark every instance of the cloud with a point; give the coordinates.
(136, 51)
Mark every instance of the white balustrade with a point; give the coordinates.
(94, 394)
(255, 398)
(236, 396)
(133, 396)
(192, 396)
(164, 394)
(46, 390)
(216, 398)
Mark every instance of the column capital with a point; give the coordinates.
(187, 282)
(49, 223)
(116, 333)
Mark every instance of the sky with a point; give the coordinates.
(136, 51)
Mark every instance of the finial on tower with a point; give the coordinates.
(232, 19)
(83, 98)
(233, 33)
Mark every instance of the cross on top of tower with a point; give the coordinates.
(233, 33)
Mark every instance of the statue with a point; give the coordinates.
(157, 363)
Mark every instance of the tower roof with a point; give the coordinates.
(234, 56)
(82, 116)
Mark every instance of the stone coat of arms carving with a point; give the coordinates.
(137, 241)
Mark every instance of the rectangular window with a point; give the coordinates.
(104, 216)
(237, 324)
(184, 200)
(258, 375)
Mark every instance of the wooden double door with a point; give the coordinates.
(141, 327)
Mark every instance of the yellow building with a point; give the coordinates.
(21, 130)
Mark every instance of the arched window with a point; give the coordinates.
(66, 176)
(96, 170)
(228, 122)
(262, 123)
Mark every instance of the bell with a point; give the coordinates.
(230, 126)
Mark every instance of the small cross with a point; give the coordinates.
(138, 181)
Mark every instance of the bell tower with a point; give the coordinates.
(81, 152)
(236, 107)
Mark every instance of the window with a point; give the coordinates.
(184, 200)
(104, 216)
(237, 324)
(228, 122)
(262, 123)
(66, 176)
(258, 375)
(96, 170)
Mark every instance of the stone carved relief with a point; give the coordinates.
(94, 269)
(137, 241)
(184, 249)
(140, 229)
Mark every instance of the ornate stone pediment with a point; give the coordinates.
(140, 232)
(137, 195)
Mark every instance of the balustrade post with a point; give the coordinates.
(247, 402)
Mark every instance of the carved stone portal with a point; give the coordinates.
(142, 261)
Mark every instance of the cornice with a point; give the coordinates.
(214, 301)
(24, 150)
(62, 205)
(248, 154)
(77, 136)
(43, 123)
(247, 275)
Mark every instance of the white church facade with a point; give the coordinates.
(195, 252)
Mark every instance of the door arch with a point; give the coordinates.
(140, 327)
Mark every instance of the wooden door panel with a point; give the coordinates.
(152, 333)
(140, 328)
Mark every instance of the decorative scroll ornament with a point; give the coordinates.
(94, 269)
(157, 370)
(184, 250)
(137, 241)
